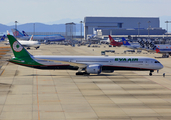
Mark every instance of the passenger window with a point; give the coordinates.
(157, 62)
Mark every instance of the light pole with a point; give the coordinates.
(149, 29)
(138, 28)
(167, 26)
(15, 34)
(33, 28)
(81, 30)
(16, 24)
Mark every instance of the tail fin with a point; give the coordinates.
(18, 50)
(31, 38)
(111, 39)
(25, 34)
(8, 32)
(125, 42)
(141, 42)
(152, 45)
(17, 33)
(3, 38)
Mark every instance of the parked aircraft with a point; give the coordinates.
(114, 43)
(149, 46)
(88, 64)
(47, 38)
(165, 50)
(29, 43)
(132, 45)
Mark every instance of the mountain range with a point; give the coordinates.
(40, 27)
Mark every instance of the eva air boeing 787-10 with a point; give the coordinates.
(84, 65)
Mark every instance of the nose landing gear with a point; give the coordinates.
(150, 74)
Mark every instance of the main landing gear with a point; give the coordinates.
(82, 73)
(150, 74)
(37, 47)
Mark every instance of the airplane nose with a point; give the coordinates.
(160, 66)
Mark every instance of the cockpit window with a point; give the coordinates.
(156, 62)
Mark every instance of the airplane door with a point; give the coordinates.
(111, 61)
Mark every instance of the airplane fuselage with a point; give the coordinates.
(107, 63)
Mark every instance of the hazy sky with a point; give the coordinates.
(44, 11)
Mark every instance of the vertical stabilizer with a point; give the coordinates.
(3, 38)
(31, 38)
(111, 39)
(24, 33)
(125, 42)
(17, 48)
(17, 33)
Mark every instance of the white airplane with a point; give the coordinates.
(105, 41)
(47, 38)
(88, 64)
(29, 43)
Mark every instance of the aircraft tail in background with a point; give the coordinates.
(31, 38)
(17, 33)
(125, 42)
(3, 38)
(25, 34)
(114, 43)
(111, 39)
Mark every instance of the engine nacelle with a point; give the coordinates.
(93, 69)
(108, 71)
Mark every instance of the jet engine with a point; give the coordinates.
(93, 69)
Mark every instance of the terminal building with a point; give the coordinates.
(104, 26)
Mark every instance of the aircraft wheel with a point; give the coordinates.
(28, 48)
(85, 73)
(79, 73)
(150, 74)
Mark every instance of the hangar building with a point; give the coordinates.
(122, 26)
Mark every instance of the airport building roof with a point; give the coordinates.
(122, 25)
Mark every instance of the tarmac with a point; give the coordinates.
(32, 94)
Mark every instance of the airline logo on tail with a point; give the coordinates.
(17, 47)
(125, 42)
(31, 39)
(25, 34)
(157, 50)
(111, 39)
(114, 43)
(16, 33)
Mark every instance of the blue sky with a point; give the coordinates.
(51, 11)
